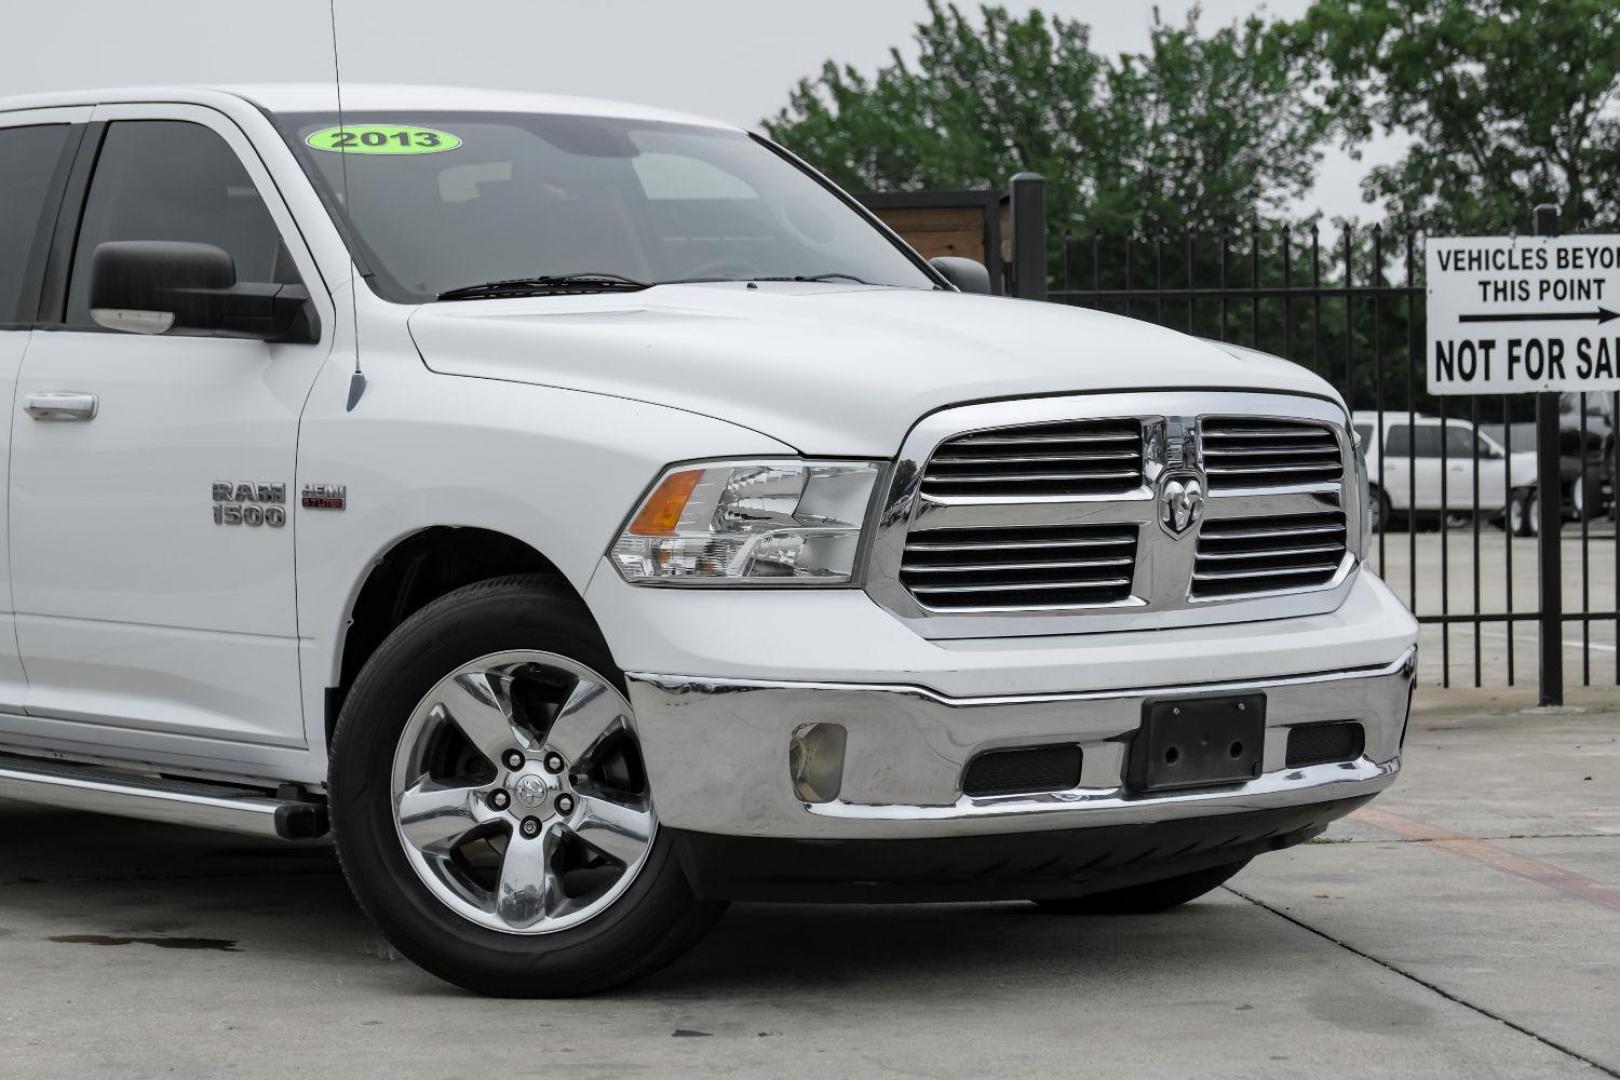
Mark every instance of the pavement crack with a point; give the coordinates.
(1425, 983)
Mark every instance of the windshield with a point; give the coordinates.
(442, 201)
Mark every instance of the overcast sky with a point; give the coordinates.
(732, 59)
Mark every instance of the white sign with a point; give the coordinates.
(1520, 314)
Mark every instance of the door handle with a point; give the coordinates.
(62, 406)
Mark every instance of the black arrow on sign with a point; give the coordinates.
(1602, 315)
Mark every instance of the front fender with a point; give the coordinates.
(556, 469)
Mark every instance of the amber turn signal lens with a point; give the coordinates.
(662, 511)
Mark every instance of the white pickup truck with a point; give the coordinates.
(591, 515)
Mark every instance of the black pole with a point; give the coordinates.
(1029, 236)
(1550, 510)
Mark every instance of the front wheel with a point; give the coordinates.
(490, 807)
(1150, 898)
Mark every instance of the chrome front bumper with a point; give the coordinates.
(717, 753)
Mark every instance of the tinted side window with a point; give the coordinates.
(1460, 442)
(172, 180)
(1403, 443)
(28, 158)
(1426, 441)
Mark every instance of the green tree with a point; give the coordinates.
(1508, 103)
(1202, 129)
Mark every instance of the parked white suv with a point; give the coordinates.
(1425, 466)
(592, 515)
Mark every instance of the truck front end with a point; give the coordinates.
(1064, 645)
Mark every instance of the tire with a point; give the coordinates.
(1378, 507)
(465, 906)
(1150, 898)
(1521, 515)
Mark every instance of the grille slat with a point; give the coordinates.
(1082, 457)
(1250, 452)
(1312, 452)
(928, 546)
(1038, 440)
(1022, 586)
(1260, 471)
(1268, 554)
(1038, 459)
(1222, 430)
(973, 568)
(986, 568)
(1262, 575)
(1286, 531)
(1033, 475)
(1315, 549)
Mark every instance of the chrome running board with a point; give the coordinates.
(154, 798)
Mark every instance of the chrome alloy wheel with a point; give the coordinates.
(519, 794)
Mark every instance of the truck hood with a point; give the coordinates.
(827, 369)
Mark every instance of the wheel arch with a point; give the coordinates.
(412, 572)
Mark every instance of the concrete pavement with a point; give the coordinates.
(1468, 928)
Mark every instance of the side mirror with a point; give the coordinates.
(966, 274)
(153, 286)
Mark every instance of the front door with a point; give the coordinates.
(151, 523)
(1459, 470)
(34, 153)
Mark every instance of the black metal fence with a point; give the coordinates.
(1456, 523)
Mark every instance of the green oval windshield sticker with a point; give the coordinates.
(382, 139)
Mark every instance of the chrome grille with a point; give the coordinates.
(992, 568)
(1268, 554)
(1257, 452)
(1057, 515)
(1087, 457)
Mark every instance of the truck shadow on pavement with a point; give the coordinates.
(79, 879)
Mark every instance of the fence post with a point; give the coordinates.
(1029, 236)
(1550, 511)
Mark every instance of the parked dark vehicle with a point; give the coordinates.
(1591, 496)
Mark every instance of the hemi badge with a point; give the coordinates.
(325, 497)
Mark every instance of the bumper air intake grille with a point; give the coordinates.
(1246, 452)
(1082, 457)
(1268, 554)
(1321, 744)
(1030, 770)
(1049, 566)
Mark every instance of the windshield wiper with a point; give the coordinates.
(587, 282)
(834, 276)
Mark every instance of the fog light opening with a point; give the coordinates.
(816, 761)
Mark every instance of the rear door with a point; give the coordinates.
(1396, 463)
(35, 154)
(143, 611)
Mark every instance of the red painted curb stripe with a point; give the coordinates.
(1494, 856)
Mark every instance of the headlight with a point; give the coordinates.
(750, 523)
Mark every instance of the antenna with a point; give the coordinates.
(357, 382)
